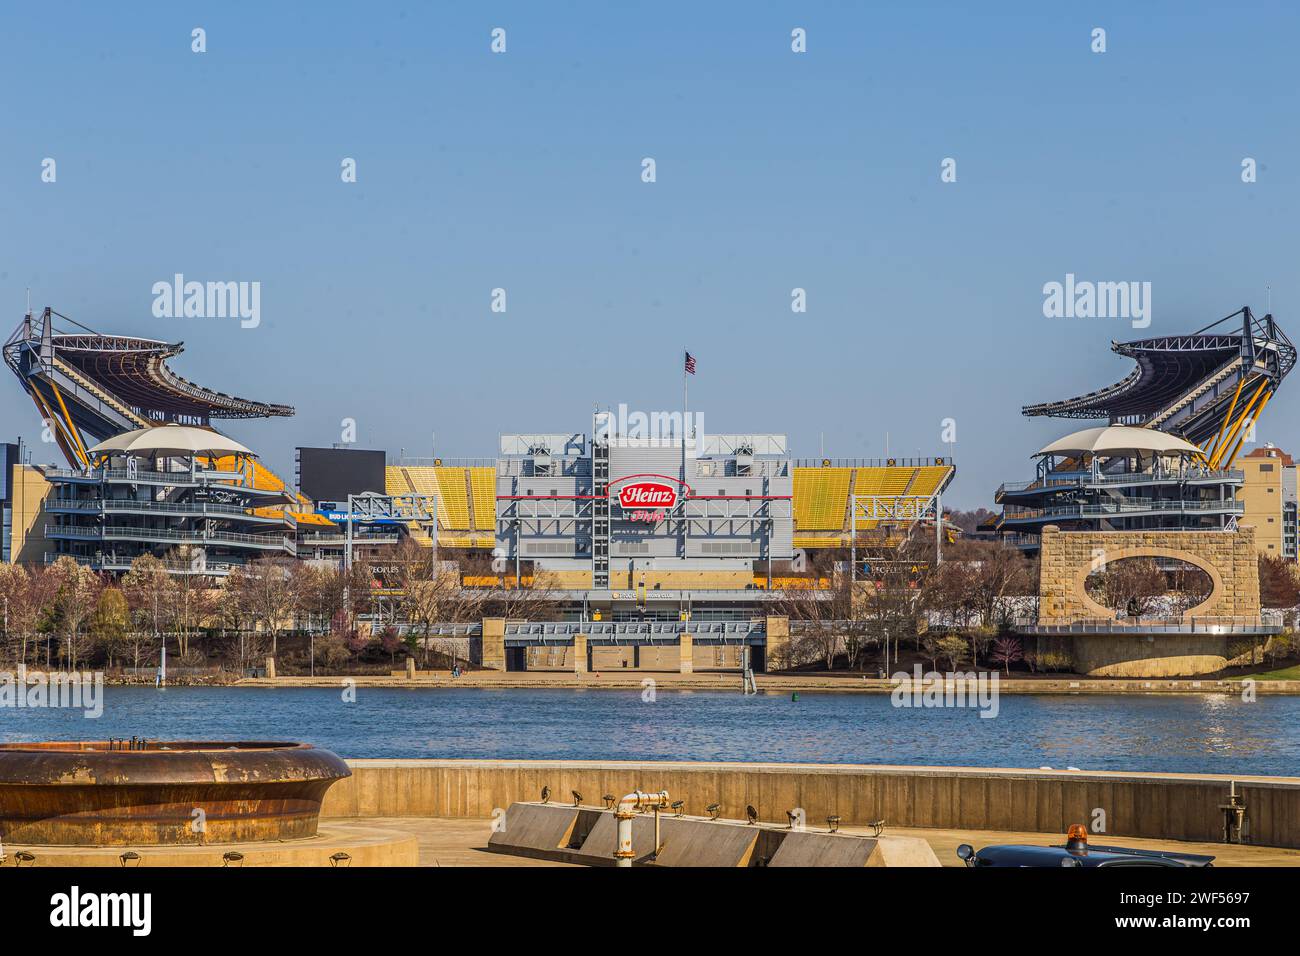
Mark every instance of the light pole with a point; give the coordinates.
(938, 528)
(161, 680)
(853, 542)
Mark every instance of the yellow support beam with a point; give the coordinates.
(72, 429)
(1227, 418)
(1232, 434)
(47, 415)
(1236, 448)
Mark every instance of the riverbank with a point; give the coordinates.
(771, 683)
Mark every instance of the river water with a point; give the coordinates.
(1199, 733)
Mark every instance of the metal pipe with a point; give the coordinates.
(625, 813)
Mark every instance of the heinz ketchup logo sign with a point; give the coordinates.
(649, 492)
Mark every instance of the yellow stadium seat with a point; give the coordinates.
(821, 498)
(895, 480)
(453, 498)
(395, 481)
(929, 478)
(483, 483)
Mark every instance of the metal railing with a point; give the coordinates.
(336, 539)
(143, 476)
(113, 562)
(417, 462)
(541, 631)
(167, 534)
(197, 509)
(873, 462)
(1086, 479)
(1268, 618)
(1127, 506)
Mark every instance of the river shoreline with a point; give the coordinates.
(770, 683)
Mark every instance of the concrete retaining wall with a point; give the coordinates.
(1157, 806)
(1150, 655)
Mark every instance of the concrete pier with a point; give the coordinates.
(1148, 805)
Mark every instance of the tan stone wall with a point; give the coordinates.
(1149, 655)
(554, 657)
(1261, 494)
(1067, 557)
(28, 490)
(494, 643)
(623, 579)
(562, 580)
(1157, 806)
(778, 642)
(580, 653)
(606, 658)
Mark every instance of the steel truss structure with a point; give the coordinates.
(903, 509)
(89, 386)
(1208, 387)
(408, 509)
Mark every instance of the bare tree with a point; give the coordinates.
(267, 592)
(74, 605)
(27, 595)
(191, 599)
(1132, 586)
(1188, 586)
(432, 592)
(892, 600)
(968, 521)
(148, 588)
(234, 610)
(536, 602)
(970, 591)
(315, 600)
(1007, 651)
(112, 622)
(1279, 586)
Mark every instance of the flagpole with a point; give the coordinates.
(686, 410)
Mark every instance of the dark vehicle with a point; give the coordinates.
(1076, 852)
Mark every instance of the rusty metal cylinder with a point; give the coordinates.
(162, 793)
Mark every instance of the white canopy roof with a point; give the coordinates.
(171, 440)
(1117, 440)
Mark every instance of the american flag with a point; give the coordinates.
(690, 363)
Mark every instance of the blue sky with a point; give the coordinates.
(775, 170)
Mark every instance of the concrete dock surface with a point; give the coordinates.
(458, 841)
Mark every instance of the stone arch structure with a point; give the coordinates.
(1209, 606)
(1068, 557)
